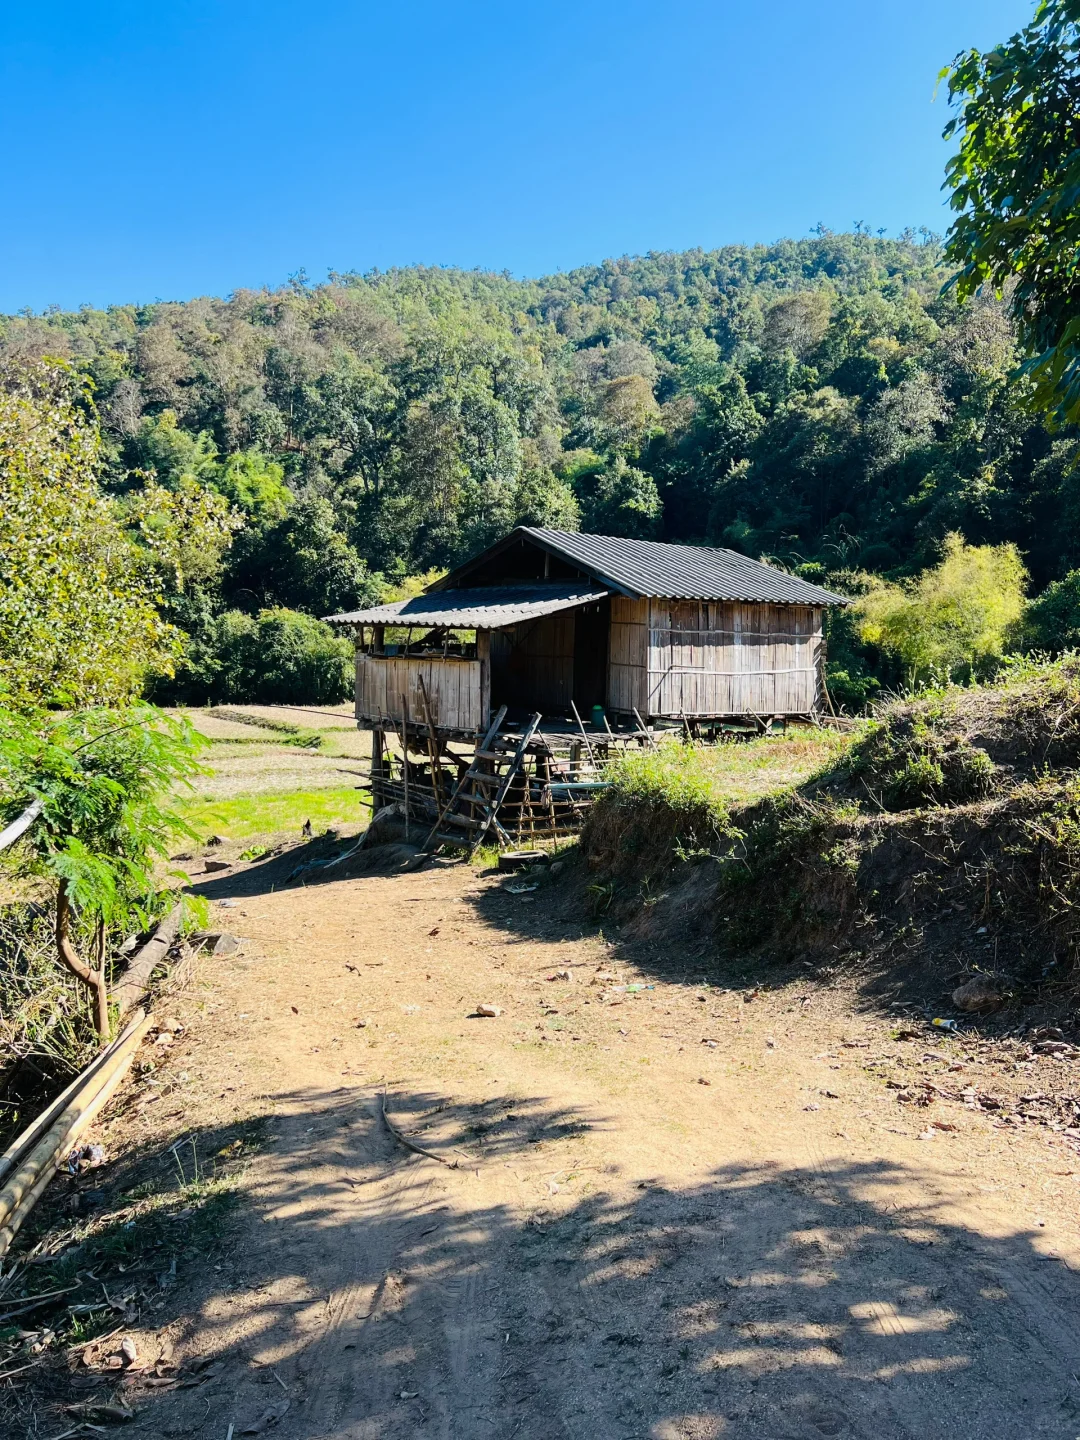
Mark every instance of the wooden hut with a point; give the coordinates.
(495, 697)
(547, 620)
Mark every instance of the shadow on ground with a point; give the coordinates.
(375, 1292)
(675, 933)
(325, 859)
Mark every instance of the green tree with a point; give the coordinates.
(79, 621)
(280, 657)
(1015, 185)
(1052, 621)
(98, 777)
(303, 562)
(255, 485)
(620, 499)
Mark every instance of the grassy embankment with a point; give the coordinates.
(945, 835)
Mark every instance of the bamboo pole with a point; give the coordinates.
(20, 825)
(131, 986)
(581, 727)
(405, 757)
(645, 731)
(25, 1187)
(34, 1131)
(433, 743)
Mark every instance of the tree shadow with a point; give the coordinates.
(322, 860)
(384, 1294)
(672, 935)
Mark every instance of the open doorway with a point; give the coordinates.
(591, 624)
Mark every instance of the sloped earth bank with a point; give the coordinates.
(685, 1210)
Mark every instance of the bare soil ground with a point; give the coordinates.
(673, 1202)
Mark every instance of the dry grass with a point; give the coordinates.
(744, 771)
(249, 761)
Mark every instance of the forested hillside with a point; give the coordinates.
(819, 402)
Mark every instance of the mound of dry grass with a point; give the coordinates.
(946, 836)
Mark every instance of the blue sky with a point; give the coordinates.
(182, 147)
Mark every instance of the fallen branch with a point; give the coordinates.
(416, 1149)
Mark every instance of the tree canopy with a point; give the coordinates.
(82, 574)
(825, 403)
(1015, 184)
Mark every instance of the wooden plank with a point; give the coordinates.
(385, 684)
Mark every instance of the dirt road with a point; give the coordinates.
(675, 1211)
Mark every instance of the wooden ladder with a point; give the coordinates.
(467, 775)
(481, 799)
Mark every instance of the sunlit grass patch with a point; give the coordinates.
(274, 813)
(743, 772)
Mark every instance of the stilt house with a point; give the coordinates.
(546, 621)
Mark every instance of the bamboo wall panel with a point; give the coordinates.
(532, 664)
(628, 654)
(454, 689)
(713, 659)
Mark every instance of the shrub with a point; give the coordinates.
(906, 763)
(97, 778)
(851, 692)
(955, 620)
(283, 657)
(662, 803)
(279, 657)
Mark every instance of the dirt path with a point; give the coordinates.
(645, 1235)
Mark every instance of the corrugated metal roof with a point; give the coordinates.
(680, 572)
(642, 568)
(483, 607)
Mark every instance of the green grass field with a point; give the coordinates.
(270, 813)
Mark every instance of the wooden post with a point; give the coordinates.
(650, 739)
(584, 736)
(433, 744)
(483, 655)
(377, 793)
(405, 757)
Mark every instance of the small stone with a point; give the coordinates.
(218, 942)
(977, 996)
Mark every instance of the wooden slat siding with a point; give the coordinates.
(454, 689)
(533, 663)
(628, 655)
(713, 659)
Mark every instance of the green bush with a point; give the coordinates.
(661, 804)
(954, 621)
(1052, 621)
(907, 762)
(851, 693)
(283, 657)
